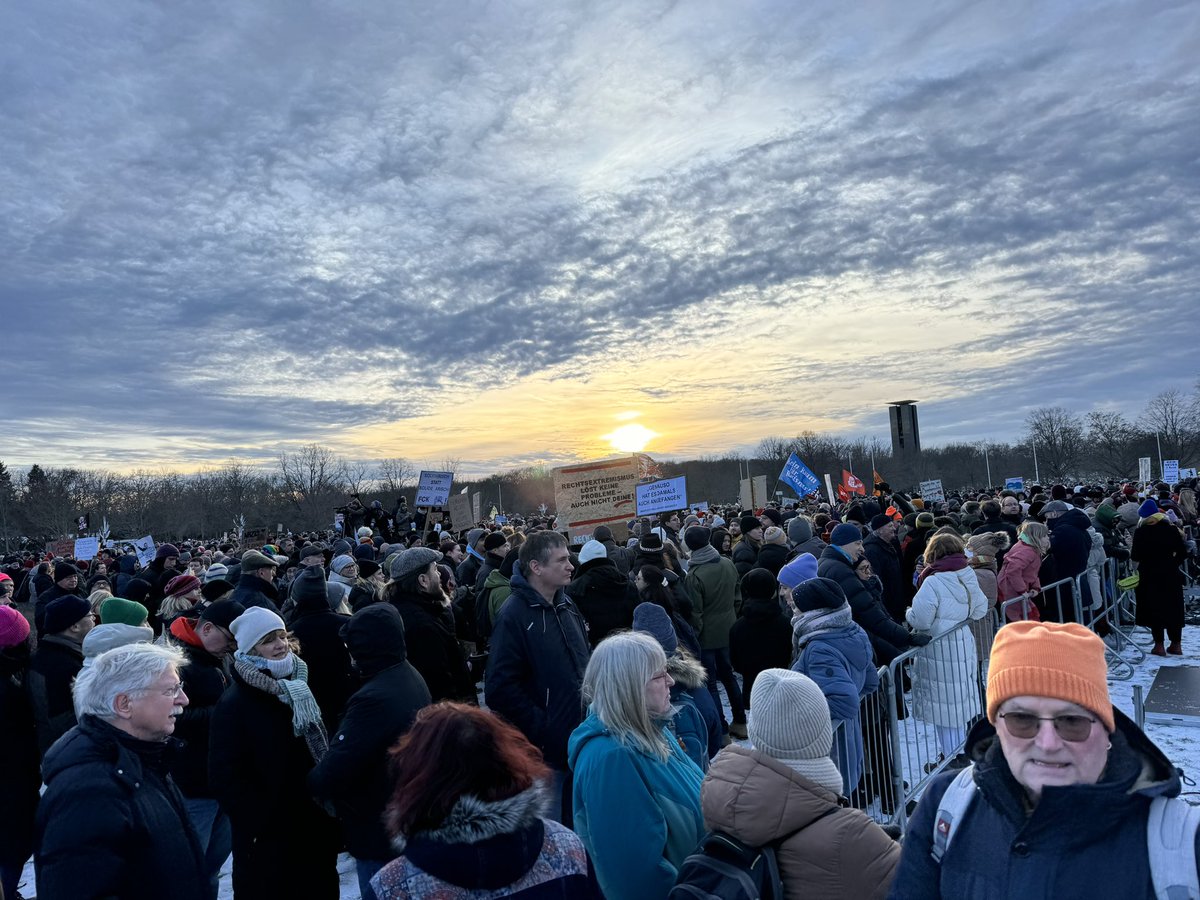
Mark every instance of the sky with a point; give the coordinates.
(497, 232)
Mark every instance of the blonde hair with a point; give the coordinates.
(96, 598)
(941, 545)
(1038, 532)
(614, 683)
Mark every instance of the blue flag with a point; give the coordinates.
(799, 477)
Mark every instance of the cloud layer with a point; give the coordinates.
(485, 230)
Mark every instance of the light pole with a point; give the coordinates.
(987, 463)
(1036, 475)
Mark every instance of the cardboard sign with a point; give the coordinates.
(753, 492)
(1170, 470)
(434, 489)
(87, 548)
(63, 548)
(460, 512)
(597, 493)
(931, 491)
(1144, 469)
(1014, 484)
(1187, 473)
(667, 495)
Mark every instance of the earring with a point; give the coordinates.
(1109, 747)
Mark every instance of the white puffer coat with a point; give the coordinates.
(945, 675)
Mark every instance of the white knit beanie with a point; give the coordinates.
(592, 550)
(789, 721)
(215, 571)
(253, 625)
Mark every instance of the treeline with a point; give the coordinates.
(305, 487)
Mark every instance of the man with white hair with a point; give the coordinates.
(112, 823)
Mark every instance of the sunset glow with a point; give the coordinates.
(630, 438)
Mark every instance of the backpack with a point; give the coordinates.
(724, 868)
(483, 614)
(1170, 836)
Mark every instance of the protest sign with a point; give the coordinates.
(63, 548)
(1014, 484)
(87, 548)
(1170, 471)
(597, 493)
(144, 547)
(666, 495)
(700, 507)
(476, 507)
(931, 491)
(799, 477)
(433, 489)
(460, 512)
(1144, 469)
(829, 489)
(501, 520)
(339, 521)
(1187, 473)
(753, 493)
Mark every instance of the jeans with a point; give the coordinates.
(216, 835)
(718, 666)
(561, 797)
(368, 869)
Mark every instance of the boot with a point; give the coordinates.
(1176, 649)
(1158, 650)
(738, 730)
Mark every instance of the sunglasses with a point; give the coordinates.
(1072, 728)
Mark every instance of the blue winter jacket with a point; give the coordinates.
(1086, 840)
(638, 817)
(840, 661)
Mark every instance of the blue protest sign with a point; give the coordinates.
(662, 496)
(799, 477)
(1014, 484)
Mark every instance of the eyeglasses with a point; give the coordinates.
(661, 676)
(1074, 728)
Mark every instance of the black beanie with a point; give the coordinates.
(749, 523)
(774, 515)
(759, 584)
(696, 537)
(494, 541)
(818, 593)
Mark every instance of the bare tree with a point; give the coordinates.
(314, 482)
(394, 474)
(357, 475)
(1058, 435)
(1113, 444)
(1173, 417)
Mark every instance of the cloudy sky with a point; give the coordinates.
(499, 231)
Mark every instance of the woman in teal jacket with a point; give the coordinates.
(637, 794)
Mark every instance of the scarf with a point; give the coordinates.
(807, 625)
(706, 554)
(1151, 520)
(269, 676)
(951, 563)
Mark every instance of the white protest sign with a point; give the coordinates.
(829, 489)
(144, 547)
(1187, 473)
(1014, 484)
(931, 491)
(476, 507)
(666, 495)
(87, 548)
(434, 488)
(702, 506)
(1144, 469)
(596, 493)
(1170, 470)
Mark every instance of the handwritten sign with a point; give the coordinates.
(433, 489)
(597, 493)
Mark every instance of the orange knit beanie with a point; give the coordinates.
(1046, 659)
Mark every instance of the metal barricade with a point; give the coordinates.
(1023, 605)
(1095, 616)
(875, 791)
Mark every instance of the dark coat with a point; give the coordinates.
(254, 591)
(745, 556)
(45, 598)
(760, 639)
(888, 638)
(51, 670)
(283, 843)
(330, 678)
(770, 557)
(468, 570)
(1079, 841)
(535, 669)
(884, 557)
(19, 775)
(433, 646)
(1158, 549)
(112, 823)
(604, 596)
(352, 778)
(1070, 543)
(998, 525)
(206, 678)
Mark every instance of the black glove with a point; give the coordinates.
(920, 639)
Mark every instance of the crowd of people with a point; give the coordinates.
(504, 713)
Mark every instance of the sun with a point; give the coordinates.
(630, 438)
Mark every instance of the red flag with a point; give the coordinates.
(843, 495)
(853, 484)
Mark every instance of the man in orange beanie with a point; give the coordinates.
(1058, 798)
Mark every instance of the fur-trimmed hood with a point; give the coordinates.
(685, 669)
(473, 820)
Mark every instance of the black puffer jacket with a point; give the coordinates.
(352, 778)
(112, 823)
(254, 591)
(206, 678)
(605, 597)
(51, 670)
(19, 775)
(433, 647)
(887, 637)
(535, 669)
(760, 639)
(884, 557)
(771, 557)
